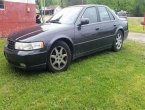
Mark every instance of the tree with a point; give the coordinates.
(72, 2)
(139, 9)
(135, 7)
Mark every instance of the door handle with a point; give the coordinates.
(97, 29)
(114, 25)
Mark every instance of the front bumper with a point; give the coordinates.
(35, 59)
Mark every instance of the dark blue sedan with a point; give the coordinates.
(73, 32)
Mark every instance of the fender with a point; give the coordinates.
(119, 28)
(58, 38)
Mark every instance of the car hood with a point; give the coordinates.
(39, 30)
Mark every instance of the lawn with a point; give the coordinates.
(103, 81)
(135, 24)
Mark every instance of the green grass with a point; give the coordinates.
(135, 25)
(104, 81)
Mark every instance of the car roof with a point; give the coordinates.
(87, 5)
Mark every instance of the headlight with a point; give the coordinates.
(29, 46)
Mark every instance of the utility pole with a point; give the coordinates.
(82, 2)
(44, 7)
(61, 3)
(41, 3)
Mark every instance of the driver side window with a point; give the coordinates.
(90, 14)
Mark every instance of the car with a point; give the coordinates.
(122, 14)
(73, 32)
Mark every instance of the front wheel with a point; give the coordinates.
(118, 43)
(59, 57)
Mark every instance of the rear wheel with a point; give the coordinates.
(59, 57)
(118, 43)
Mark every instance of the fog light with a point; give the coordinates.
(22, 65)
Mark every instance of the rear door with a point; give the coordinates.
(107, 26)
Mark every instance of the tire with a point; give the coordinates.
(118, 43)
(59, 57)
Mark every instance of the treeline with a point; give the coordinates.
(134, 7)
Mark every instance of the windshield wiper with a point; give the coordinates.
(54, 21)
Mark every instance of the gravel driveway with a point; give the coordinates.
(140, 37)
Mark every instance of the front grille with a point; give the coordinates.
(11, 44)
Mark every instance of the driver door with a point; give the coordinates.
(85, 34)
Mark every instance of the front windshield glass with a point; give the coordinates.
(66, 15)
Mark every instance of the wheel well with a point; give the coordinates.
(122, 32)
(68, 42)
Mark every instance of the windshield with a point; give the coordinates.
(66, 15)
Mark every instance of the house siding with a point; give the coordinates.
(16, 15)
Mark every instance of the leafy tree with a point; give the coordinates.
(75, 2)
(139, 8)
(135, 7)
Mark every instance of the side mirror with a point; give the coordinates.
(84, 21)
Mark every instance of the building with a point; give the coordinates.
(50, 10)
(16, 15)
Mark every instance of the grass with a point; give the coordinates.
(104, 81)
(135, 24)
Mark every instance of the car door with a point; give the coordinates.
(86, 34)
(107, 27)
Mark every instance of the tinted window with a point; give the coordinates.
(91, 14)
(104, 16)
(1, 4)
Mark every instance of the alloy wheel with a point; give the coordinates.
(119, 41)
(58, 58)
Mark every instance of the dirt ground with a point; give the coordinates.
(140, 37)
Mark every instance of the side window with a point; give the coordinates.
(91, 14)
(104, 16)
(1, 4)
(111, 15)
